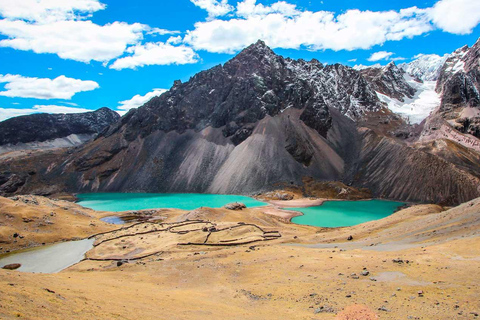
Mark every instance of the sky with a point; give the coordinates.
(63, 56)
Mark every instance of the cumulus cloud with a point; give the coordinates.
(6, 113)
(456, 16)
(249, 8)
(44, 88)
(281, 25)
(162, 32)
(155, 54)
(214, 8)
(59, 27)
(139, 100)
(48, 10)
(76, 40)
(380, 55)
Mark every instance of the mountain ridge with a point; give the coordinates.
(261, 120)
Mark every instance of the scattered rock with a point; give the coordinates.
(48, 290)
(365, 273)
(383, 308)
(324, 309)
(12, 266)
(398, 260)
(420, 293)
(350, 238)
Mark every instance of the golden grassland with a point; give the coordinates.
(307, 273)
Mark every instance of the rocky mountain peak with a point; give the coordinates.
(42, 126)
(426, 67)
(389, 80)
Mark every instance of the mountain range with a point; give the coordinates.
(43, 130)
(262, 121)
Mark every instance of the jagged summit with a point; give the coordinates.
(261, 120)
(43, 126)
(389, 80)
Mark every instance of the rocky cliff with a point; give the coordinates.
(258, 121)
(45, 130)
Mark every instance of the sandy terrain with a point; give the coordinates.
(420, 263)
(28, 221)
(297, 203)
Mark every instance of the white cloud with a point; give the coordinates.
(155, 54)
(456, 16)
(57, 27)
(214, 8)
(139, 100)
(48, 10)
(44, 88)
(162, 32)
(281, 25)
(174, 40)
(249, 8)
(77, 40)
(6, 113)
(380, 55)
(352, 60)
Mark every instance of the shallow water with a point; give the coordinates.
(345, 213)
(113, 220)
(49, 259)
(118, 202)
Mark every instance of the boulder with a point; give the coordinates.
(12, 266)
(235, 206)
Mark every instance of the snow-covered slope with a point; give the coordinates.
(415, 109)
(426, 67)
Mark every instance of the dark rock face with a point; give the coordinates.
(254, 84)
(42, 127)
(459, 84)
(389, 81)
(256, 122)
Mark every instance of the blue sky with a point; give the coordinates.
(74, 55)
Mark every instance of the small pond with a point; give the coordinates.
(50, 258)
(345, 213)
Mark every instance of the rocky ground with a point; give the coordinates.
(420, 263)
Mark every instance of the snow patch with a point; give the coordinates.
(415, 110)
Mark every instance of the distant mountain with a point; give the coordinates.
(389, 81)
(261, 121)
(39, 131)
(426, 67)
(458, 116)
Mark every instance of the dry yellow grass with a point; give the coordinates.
(307, 277)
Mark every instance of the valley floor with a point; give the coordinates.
(420, 263)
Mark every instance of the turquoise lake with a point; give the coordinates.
(345, 213)
(118, 202)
